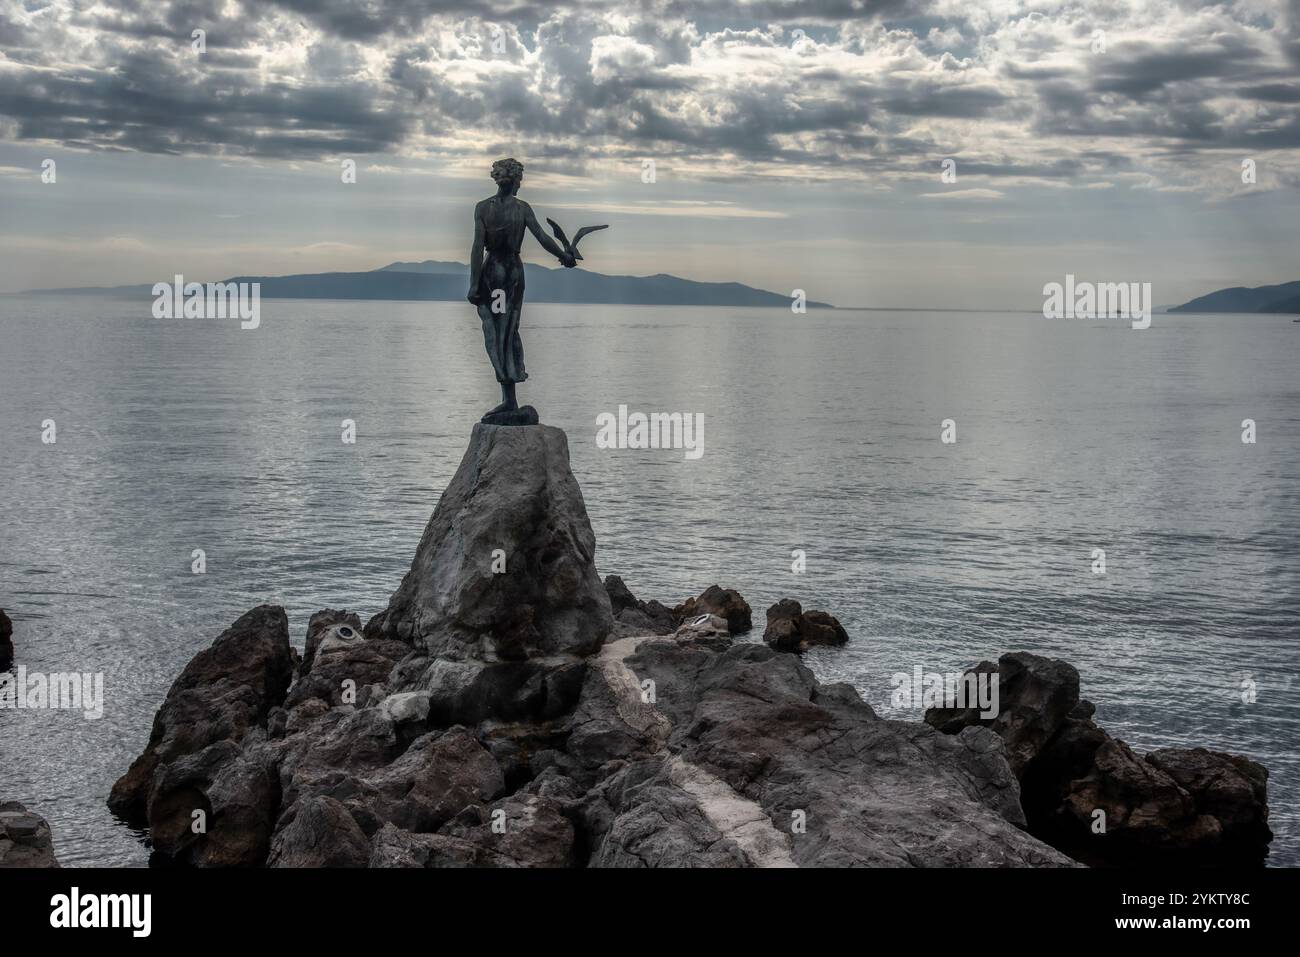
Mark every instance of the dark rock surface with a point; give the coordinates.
(726, 603)
(234, 791)
(744, 759)
(1231, 789)
(320, 832)
(25, 839)
(790, 628)
(339, 670)
(633, 617)
(225, 692)
(1091, 796)
(513, 500)
(6, 640)
(1034, 696)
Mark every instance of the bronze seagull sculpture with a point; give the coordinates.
(572, 248)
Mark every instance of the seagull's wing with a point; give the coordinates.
(587, 229)
(582, 232)
(559, 233)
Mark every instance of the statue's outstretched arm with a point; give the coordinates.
(549, 244)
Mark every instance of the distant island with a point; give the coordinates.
(448, 281)
(1284, 298)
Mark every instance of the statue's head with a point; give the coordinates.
(509, 172)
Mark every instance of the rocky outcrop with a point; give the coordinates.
(524, 830)
(224, 693)
(214, 808)
(735, 755)
(503, 602)
(726, 603)
(6, 640)
(339, 665)
(506, 568)
(1091, 796)
(25, 839)
(320, 832)
(494, 715)
(633, 617)
(1035, 694)
(1228, 788)
(790, 628)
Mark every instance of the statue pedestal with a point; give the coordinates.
(505, 570)
(524, 415)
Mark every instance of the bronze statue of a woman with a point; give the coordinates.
(496, 282)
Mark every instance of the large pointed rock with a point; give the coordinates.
(225, 691)
(506, 568)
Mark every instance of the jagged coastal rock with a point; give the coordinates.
(790, 628)
(510, 709)
(633, 617)
(1092, 797)
(25, 839)
(6, 640)
(224, 693)
(723, 602)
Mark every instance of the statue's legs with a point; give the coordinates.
(501, 332)
(512, 347)
(492, 339)
(496, 337)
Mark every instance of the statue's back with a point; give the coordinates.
(503, 225)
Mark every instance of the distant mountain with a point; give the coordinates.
(1281, 298)
(433, 266)
(449, 281)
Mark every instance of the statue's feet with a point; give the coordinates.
(524, 415)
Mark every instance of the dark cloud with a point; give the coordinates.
(1065, 169)
(153, 105)
(355, 20)
(1036, 72)
(1272, 92)
(1136, 70)
(171, 22)
(792, 12)
(1141, 92)
(1285, 136)
(871, 87)
(952, 101)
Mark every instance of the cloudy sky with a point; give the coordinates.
(795, 145)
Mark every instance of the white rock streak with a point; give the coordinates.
(736, 817)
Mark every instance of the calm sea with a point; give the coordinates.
(822, 434)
